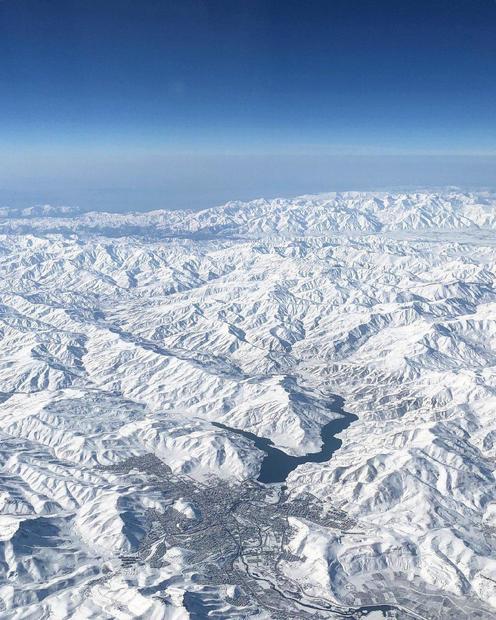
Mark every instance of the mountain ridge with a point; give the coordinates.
(316, 215)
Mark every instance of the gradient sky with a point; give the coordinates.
(141, 104)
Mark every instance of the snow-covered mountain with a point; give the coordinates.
(124, 337)
(306, 215)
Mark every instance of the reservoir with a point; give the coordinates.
(277, 465)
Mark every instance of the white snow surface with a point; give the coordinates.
(128, 334)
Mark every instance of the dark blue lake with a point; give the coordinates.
(277, 465)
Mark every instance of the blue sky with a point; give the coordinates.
(123, 104)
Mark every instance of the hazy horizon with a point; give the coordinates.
(121, 105)
(200, 183)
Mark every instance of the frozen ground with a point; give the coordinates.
(124, 337)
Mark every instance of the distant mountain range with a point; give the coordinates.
(306, 215)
